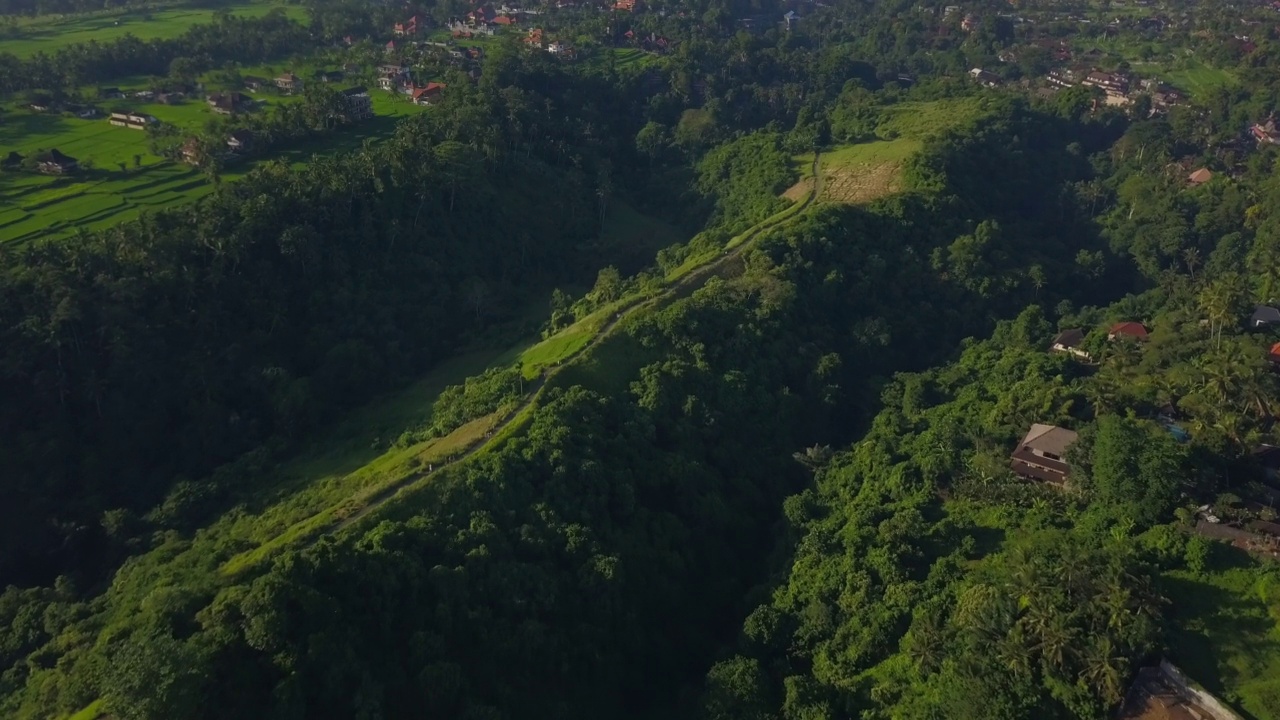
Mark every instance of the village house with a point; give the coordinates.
(1113, 84)
(254, 84)
(408, 27)
(625, 5)
(359, 104)
(1264, 316)
(460, 29)
(1128, 331)
(1040, 454)
(130, 119)
(110, 93)
(483, 15)
(984, 78)
(1199, 177)
(12, 161)
(1266, 132)
(1165, 98)
(230, 103)
(289, 83)
(41, 103)
(54, 162)
(145, 95)
(428, 95)
(240, 141)
(791, 20)
(560, 49)
(1062, 78)
(330, 76)
(969, 23)
(396, 83)
(1069, 341)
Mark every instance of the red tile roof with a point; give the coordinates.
(1131, 329)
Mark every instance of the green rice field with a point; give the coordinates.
(36, 206)
(50, 33)
(1196, 78)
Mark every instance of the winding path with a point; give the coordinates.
(681, 288)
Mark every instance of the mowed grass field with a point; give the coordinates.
(38, 206)
(48, 34)
(863, 172)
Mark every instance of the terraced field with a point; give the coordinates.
(50, 33)
(34, 206)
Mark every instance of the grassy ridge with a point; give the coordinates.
(588, 353)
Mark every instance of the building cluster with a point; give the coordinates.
(1042, 454)
(399, 78)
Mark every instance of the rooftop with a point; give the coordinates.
(1049, 438)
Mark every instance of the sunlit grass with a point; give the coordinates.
(50, 33)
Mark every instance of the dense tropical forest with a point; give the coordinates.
(389, 433)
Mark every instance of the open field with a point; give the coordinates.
(1198, 78)
(34, 206)
(863, 172)
(49, 34)
(922, 120)
(854, 174)
(1226, 631)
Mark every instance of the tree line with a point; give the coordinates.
(210, 45)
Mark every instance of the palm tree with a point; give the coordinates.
(1101, 394)
(1014, 653)
(1105, 669)
(1055, 637)
(926, 643)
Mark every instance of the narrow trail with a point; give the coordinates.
(680, 289)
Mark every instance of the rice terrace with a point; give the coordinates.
(26, 37)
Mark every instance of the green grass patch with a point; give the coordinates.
(91, 712)
(1197, 78)
(882, 151)
(609, 368)
(49, 34)
(561, 346)
(1225, 630)
(922, 120)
